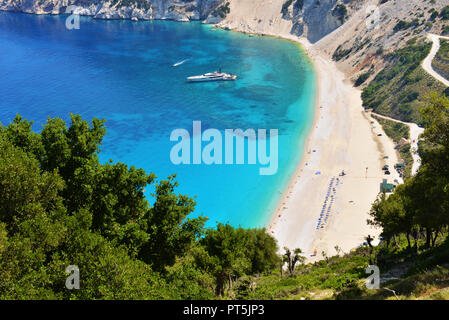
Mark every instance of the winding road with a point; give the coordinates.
(427, 62)
(415, 130)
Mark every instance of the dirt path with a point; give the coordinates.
(415, 131)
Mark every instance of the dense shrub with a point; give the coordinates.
(362, 78)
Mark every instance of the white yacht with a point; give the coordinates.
(213, 76)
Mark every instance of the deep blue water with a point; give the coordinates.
(122, 71)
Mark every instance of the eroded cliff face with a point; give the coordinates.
(315, 19)
(179, 10)
(310, 18)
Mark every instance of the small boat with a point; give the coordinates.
(212, 76)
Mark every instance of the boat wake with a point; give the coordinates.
(179, 63)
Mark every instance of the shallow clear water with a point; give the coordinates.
(122, 71)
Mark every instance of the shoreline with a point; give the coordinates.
(292, 179)
(307, 145)
(342, 139)
(293, 223)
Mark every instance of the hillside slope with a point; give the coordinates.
(355, 33)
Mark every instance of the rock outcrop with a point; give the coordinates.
(314, 19)
(179, 10)
(310, 18)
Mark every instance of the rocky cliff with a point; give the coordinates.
(311, 18)
(314, 19)
(179, 10)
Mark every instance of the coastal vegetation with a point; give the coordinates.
(405, 275)
(361, 79)
(298, 5)
(395, 130)
(406, 158)
(445, 30)
(60, 206)
(413, 256)
(441, 61)
(398, 90)
(402, 25)
(222, 10)
(286, 5)
(420, 205)
(443, 53)
(341, 53)
(399, 133)
(444, 14)
(340, 11)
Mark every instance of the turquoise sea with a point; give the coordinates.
(122, 71)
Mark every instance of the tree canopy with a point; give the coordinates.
(61, 206)
(421, 205)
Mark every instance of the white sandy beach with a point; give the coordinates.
(343, 137)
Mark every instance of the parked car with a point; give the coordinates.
(387, 172)
(385, 167)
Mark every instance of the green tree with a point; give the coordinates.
(233, 252)
(119, 205)
(187, 278)
(170, 232)
(422, 202)
(25, 191)
(19, 133)
(226, 247)
(292, 258)
(262, 251)
(73, 152)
